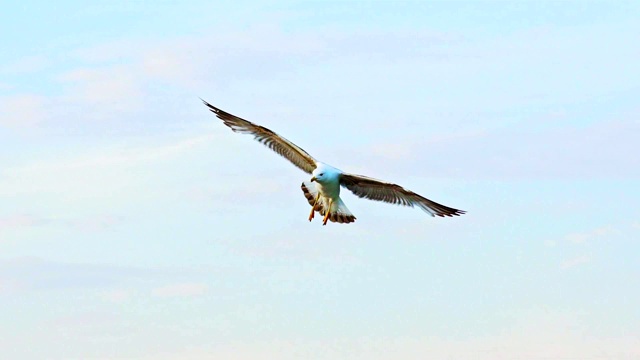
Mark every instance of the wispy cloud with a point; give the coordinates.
(125, 75)
(549, 337)
(97, 223)
(392, 151)
(180, 290)
(25, 65)
(34, 274)
(79, 174)
(563, 152)
(20, 221)
(112, 88)
(23, 110)
(576, 261)
(121, 156)
(91, 223)
(29, 274)
(117, 295)
(582, 237)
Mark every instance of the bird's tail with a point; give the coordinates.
(338, 213)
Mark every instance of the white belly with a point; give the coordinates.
(329, 190)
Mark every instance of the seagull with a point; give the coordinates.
(322, 191)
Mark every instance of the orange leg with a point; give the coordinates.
(328, 211)
(313, 208)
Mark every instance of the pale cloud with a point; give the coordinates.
(96, 223)
(20, 221)
(123, 156)
(203, 62)
(107, 88)
(92, 223)
(122, 50)
(80, 322)
(180, 290)
(117, 296)
(79, 174)
(559, 152)
(36, 274)
(181, 64)
(81, 96)
(560, 75)
(392, 151)
(549, 337)
(124, 74)
(578, 238)
(282, 246)
(166, 65)
(25, 65)
(29, 274)
(23, 110)
(121, 75)
(582, 237)
(576, 261)
(240, 190)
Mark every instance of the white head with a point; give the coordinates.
(324, 174)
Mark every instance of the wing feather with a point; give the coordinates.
(373, 189)
(273, 141)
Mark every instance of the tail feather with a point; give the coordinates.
(338, 213)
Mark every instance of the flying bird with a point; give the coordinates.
(322, 191)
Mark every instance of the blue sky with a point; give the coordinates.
(134, 225)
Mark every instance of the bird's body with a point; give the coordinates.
(323, 189)
(328, 184)
(323, 192)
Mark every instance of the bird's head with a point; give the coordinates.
(325, 174)
(320, 175)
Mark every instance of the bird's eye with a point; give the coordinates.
(321, 174)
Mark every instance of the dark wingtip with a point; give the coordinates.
(451, 213)
(211, 107)
(221, 114)
(459, 212)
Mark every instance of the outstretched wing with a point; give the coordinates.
(273, 141)
(366, 187)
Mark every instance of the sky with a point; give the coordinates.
(135, 225)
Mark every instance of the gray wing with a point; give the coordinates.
(366, 187)
(273, 141)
